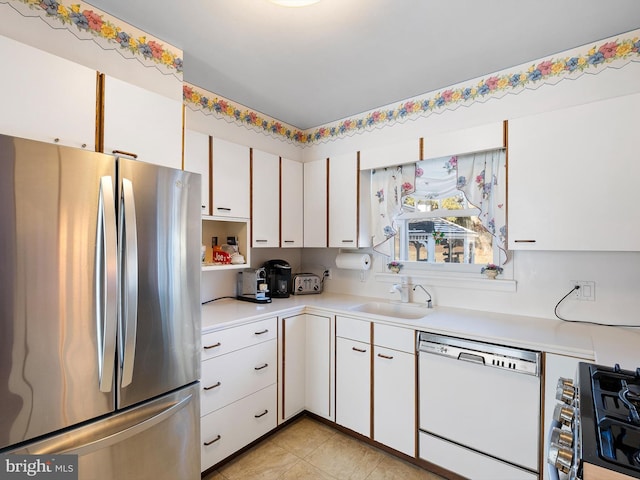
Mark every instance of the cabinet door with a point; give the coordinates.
(293, 365)
(318, 378)
(265, 195)
(231, 179)
(46, 98)
(394, 399)
(142, 122)
(315, 204)
(291, 203)
(307, 367)
(565, 191)
(353, 385)
(196, 159)
(343, 201)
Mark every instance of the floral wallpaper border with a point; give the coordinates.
(88, 23)
(610, 53)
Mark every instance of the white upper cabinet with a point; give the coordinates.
(343, 201)
(45, 97)
(390, 154)
(573, 178)
(315, 204)
(143, 123)
(231, 179)
(265, 199)
(291, 203)
(196, 159)
(466, 140)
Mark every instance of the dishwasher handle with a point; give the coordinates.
(471, 357)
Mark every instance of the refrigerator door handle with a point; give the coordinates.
(129, 282)
(106, 283)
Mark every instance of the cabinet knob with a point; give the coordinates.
(56, 140)
(84, 145)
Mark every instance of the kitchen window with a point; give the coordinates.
(451, 212)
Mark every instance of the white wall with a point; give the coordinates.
(543, 278)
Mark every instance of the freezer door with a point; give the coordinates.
(160, 238)
(49, 348)
(156, 440)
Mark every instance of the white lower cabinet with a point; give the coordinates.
(353, 374)
(228, 429)
(307, 365)
(394, 388)
(377, 376)
(239, 396)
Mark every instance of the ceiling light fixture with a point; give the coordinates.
(294, 3)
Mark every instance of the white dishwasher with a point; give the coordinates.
(479, 408)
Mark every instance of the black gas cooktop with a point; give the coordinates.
(609, 417)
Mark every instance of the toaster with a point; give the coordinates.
(305, 283)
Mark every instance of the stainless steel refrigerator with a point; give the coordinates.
(99, 311)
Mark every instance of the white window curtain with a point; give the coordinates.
(388, 186)
(480, 176)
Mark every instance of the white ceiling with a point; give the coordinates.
(338, 58)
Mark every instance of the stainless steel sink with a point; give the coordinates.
(397, 310)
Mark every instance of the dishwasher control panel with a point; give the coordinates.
(490, 355)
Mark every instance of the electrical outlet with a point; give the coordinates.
(587, 290)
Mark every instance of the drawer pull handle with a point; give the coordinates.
(262, 414)
(388, 357)
(207, 347)
(213, 441)
(261, 241)
(225, 209)
(215, 385)
(525, 241)
(262, 332)
(289, 241)
(261, 367)
(361, 350)
(347, 241)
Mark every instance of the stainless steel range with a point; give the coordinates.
(596, 431)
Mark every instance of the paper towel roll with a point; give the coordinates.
(353, 261)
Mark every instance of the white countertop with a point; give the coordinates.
(603, 345)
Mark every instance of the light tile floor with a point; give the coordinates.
(310, 450)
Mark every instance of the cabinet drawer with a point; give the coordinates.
(403, 339)
(354, 329)
(235, 338)
(231, 428)
(230, 377)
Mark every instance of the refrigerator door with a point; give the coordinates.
(156, 440)
(52, 343)
(159, 333)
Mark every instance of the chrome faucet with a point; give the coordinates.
(429, 305)
(403, 289)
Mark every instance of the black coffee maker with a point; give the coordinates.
(278, 278)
